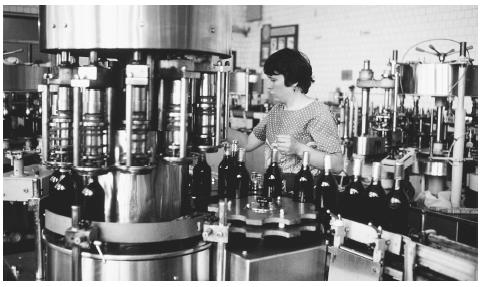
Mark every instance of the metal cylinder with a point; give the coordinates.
(76, 126)
(365, 102)
(128, 124)
(17, 162)
(64, 99)
(142, 267)
(439, 133)
(459, 135)
(199, 28)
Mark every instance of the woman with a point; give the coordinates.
(297, 123)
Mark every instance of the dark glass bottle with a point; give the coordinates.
(327, 188)
(201, 183)
(92, 200)
(376, 201)
(63, 194)
(397, 204)
(354, 195)
(235, 150)
(272, 184)
(241, 178)
(225, 172)
(303, 186)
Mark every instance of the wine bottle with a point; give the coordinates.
(92, 200)
(303, 185)
(201, 183)
(354, 195)
(235, 150)
(63, 195)
(225, 172)
(397, 204)
(327, 188)
(272, 184)
(241, 178)
(376, 201)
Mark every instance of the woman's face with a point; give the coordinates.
(276, 87)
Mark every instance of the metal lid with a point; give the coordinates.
(436, 168)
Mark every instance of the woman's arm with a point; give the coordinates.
(250, 142)
(289, 145)
(317, 158)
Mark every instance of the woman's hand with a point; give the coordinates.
(287, 144)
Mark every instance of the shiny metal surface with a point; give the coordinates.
(129, 197)
(188, 264)
(369, 145)
(200, 28)
(143, 146)
(441, 79)
(171, 185)
(436, 168)
(22, 77)
(349, 266)
(301, 264)
(151, 232)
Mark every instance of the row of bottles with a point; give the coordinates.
(371, 204)
(63, 187)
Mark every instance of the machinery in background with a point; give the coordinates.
(121, 132)
(247, 107)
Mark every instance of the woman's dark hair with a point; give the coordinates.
(293, 65)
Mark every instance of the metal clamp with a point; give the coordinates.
(339, 231)
(380, 245)
(215, 233)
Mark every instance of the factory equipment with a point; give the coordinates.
(121, 130)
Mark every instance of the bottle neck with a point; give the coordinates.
(375, 181)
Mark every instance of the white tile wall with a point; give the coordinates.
(337, 38)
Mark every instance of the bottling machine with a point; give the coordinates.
(136, 90)
(120, 129)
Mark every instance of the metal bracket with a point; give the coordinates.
(215, 233)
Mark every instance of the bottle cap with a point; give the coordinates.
(399, 171)
(376, 170)
(328, 162)
(241, 154)
(357, 166)
(306, 158)
(274, 154)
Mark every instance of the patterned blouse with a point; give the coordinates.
(312, 125)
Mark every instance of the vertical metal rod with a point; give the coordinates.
(226, 114)
(395, 99)
(439, 124)
(161, 108)
(459, 140)
(76, 252)
(38, 228)
(247, 92)
(365, 101)
(45, 116)
(355, 120)
(351, 113)
(76, 125)
(218, 107)
(128, 123)
(221, 247)
(183, 114)
(109, 113)
(150, 64)
(346, 120)
(432, 119)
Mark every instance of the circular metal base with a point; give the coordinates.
(187, 264)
